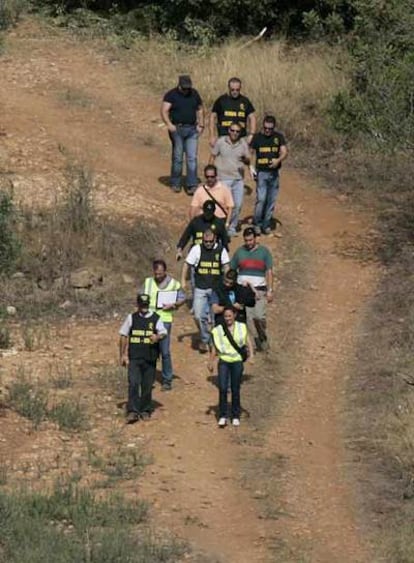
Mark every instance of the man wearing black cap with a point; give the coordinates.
(183, 113)
(229, 293)
(138, 349)
(198, 225)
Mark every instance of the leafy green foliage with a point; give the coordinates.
(380, 102)
(9, 244)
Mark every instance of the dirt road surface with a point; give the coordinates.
(56, 92)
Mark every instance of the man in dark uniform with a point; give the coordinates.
(209, 263)
(183, 113)
(271, 149)
(229, 293)
(198, 225)
(138, 349)
(230, 108)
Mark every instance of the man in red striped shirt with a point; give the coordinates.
(254, 265)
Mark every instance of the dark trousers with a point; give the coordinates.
(141, 374)
(234, 372)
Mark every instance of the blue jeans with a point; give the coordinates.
(184, 140)
(234, 372)
(236, 186)
(202, 303)
(266, 193)
(165, 352)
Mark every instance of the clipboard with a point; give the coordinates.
(166, 298)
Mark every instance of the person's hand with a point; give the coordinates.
(213, 141)
(183, 285)
(169, 307)
(245, 159)
(269, 296)
(274, 163)
(253, 172)
(210, 366)
(123, 360)
(200, 129)
(178, 254)
(154, 338)
(171, 128)
(237, 306)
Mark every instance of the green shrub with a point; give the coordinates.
(5, 337)
(10, 11)
(9, 244)
(69, 415)
(29, 399)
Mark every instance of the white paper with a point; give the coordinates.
(166, 298)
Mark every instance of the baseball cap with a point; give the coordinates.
(209, 206)
(184, 80)
(143, 299)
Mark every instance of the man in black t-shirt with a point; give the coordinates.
(270, 149)
(183, 113)
(230, 108)
(198, 225)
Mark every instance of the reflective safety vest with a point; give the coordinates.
(151, 288)
(225, 350)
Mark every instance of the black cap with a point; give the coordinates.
(143, 299)
(209, 206)
(184, 81)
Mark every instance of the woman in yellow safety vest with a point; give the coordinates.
(230, 364)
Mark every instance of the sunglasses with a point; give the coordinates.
(234, 130)
(211, 176)
(268, 128)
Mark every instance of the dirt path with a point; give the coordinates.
(67, 95)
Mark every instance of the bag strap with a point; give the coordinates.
(215, 201)
(231, 339)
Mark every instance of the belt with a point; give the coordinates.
(261, 287)
(184, 124)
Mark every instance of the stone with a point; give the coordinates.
(84, 279)
(11, 310)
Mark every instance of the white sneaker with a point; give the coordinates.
(236, 421)
(222, 422)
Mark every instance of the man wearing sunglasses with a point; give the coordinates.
(183, 113)
(230, 107)
(271, 150)
(216, 191)
(230, 154)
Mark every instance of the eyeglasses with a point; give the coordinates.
(234, 130)
(210, 176)
(268, 128)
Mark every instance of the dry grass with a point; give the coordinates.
(294, 83)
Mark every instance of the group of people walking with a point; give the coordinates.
(229, 294)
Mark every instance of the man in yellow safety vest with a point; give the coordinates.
(166, 295)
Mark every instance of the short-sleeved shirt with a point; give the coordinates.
(127, 324)
(228, 158)
(252, 265)
(184, 106)
(193, 257)
(220, 192)
(230, 109)
(267, 147)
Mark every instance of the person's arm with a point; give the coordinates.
(200, 119)
(213, 128)
(225, 260)
(283, 154)
(160, 332)
(251, 125)
(123, 350)
(165, 116)
(185, 237)
(222, 234)
(269, 284)
(212, 358)
(184, 275)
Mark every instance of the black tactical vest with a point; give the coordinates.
(140, 345)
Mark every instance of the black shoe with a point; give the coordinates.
(176, 189)
(191, 190)
(145, 416)
(132, 417)
(166, 387)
